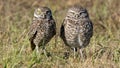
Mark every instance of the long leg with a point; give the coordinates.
(37, 49)
(74, 52)
(81, 54)
(44, 48)
(45, 52)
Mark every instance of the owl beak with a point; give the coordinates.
(76, 16)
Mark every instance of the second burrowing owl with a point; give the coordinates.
(77, 28)
(42, 29)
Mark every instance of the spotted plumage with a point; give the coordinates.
(77, 28)
(42, 29)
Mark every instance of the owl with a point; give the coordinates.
(42, 29)
(77, 28)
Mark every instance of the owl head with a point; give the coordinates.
(43, 12)
(77, 12)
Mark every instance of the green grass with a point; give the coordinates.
(102, 52)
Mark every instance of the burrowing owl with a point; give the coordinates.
(77, 28)
(42, 29)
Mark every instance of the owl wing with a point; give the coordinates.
(86, 29)
(62, 31)
(89, 29)
(33, 29)
(33, 32)
(53, 26)
(44, 32)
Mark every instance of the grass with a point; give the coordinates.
(102, 52)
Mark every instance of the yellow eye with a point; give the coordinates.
(38, 11)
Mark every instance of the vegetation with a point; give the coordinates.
(102, 52)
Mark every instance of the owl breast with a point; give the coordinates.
(71, 33)
(78, 33)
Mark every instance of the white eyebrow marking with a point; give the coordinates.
(35, 15)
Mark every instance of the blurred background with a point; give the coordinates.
(102, 52)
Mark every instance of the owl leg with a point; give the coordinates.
(37, 52)
(37, 49)
(74, 52)
(36, 46)
(44, 48)
(45, 52)
(81, 54)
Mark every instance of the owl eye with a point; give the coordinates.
(80, 13)
(48, 12)
(83, 14)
